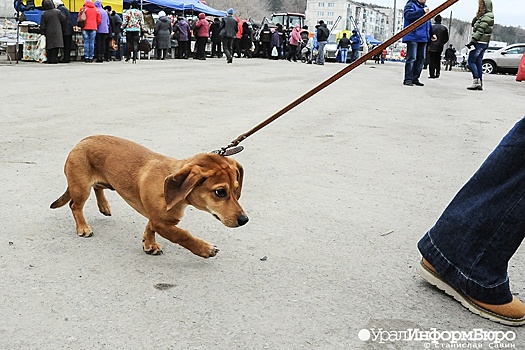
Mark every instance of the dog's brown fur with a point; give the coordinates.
(156, 186)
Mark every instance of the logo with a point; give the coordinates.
(476, 338)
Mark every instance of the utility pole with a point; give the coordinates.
(394, 19)
(450, 26)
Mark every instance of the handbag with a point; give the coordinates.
(144, 45)
(81, 19)
(274, 52)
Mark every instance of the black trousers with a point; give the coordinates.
(434, 64)
(68, 39)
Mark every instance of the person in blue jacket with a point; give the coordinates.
(416, 41)
(355, 44)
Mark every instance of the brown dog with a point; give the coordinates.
(156, 186)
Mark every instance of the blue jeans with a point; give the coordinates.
(344, 54)
(472, 242)
(89, 43)
(475, 60)
(414, 60)
(320, 54)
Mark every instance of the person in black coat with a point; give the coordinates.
(51, 26)
(67, 30)
(215, 28)
(438, 39)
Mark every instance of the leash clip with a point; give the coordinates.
(228, 150)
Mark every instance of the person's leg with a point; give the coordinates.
(344, 53)
(320, 56)
(472, 242)
(438, 64)
(471, 61)
(68, 39)
(136, 37)
(227, 47)
(92, 35)
(479, 61)
(432, 64)
(129, 45)
(410, 60)
(420, 60)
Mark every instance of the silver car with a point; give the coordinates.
(504, 59)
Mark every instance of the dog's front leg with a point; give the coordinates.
(184, 238)
(149, 243)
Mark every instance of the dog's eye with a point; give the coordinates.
(221, 193)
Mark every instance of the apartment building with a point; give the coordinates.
(347, 15)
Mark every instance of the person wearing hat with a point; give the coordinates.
(229, 28)
(162, 33)
(322, 38)
(51, 26)
(355, 44)
(67, 31)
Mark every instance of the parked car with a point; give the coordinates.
(506, 59)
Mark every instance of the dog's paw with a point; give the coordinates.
(211, 252)
(85, 232)
(152, 249)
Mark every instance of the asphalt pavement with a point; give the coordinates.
(338, 191)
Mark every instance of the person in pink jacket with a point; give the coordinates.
(293, 44)
(202, 27)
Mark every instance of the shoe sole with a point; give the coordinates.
(435, 280)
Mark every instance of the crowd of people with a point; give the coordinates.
(102, 30)
(430, 39)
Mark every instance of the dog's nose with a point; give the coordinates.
(242, 220)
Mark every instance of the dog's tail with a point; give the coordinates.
(66, 197)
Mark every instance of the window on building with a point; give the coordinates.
(330, 14)
(331, 4)
(329, 23)
(321, 4)
(320, 14)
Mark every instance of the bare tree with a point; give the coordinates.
(294, 6)
(244, 9)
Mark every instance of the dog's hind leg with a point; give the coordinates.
(102, 201)
(149, 244)
(79, 196)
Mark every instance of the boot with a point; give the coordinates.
(476, 85)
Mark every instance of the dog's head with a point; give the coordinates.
(209, 182)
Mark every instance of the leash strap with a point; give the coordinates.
(233, 147)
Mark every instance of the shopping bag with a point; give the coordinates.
(274, 52)
(81, 19)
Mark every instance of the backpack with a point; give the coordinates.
(81, 19)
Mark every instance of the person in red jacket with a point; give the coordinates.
(202, 28)
(89, 31)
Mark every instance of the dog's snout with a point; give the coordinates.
(242, 220)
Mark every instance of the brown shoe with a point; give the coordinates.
(510, 314)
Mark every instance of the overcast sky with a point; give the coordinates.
(506, 12)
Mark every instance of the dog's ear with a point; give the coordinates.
(177, 186)
(240, 178)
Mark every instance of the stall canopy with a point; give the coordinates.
(372, 41)
(177, 5)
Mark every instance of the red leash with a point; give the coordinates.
(233, 147)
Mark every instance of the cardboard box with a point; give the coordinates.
(11, 51)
